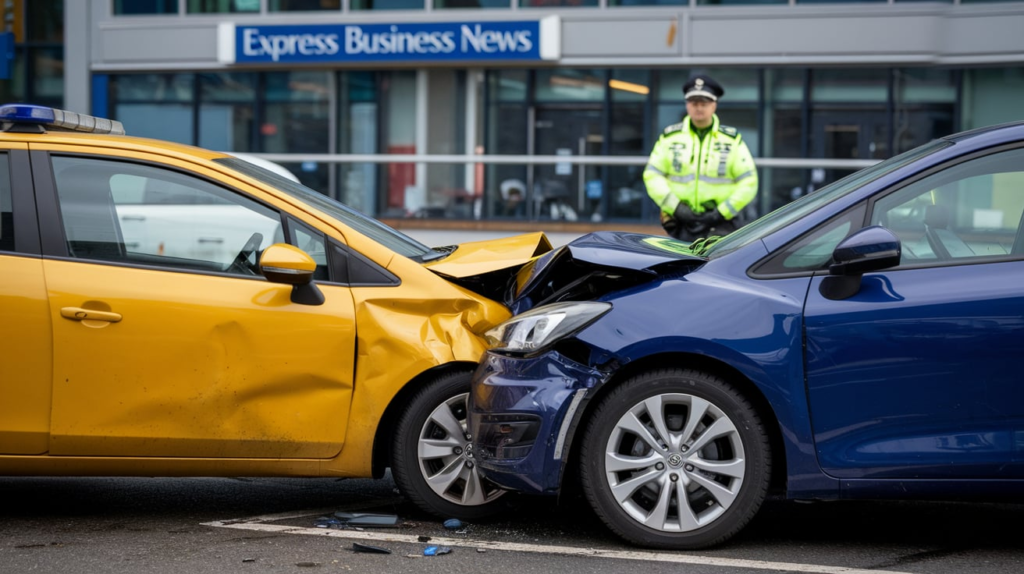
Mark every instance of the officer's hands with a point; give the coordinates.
(670, 224)
(685, 215)
(711, 217)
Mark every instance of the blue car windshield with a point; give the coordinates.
(799, 208)
(386, 236)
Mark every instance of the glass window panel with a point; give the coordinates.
(303, 5)
(398, 97)
(126, 7)
(6, 207)
(472, 3)
(570, 85)
(305, 86)
(387, 4)
(972, 209)
(13, 88)
(630, 85)
(992, 96)
(45, 20)
(171, 122)
(784, 85)
(222, 6)
(627, 193)
(850, 85)
(648, 2)
(357, 183)
(670, 84)
(226, 127)
(446, 186)
(312, 242)
(154, 87)
(132, 213)
(508, 85)
(47, 72)
(627, 135)
(556, 3)
(227, 87)
(506, 135)
(925, 85)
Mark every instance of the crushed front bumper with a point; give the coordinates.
(523, 414)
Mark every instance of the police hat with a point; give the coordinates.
(703, 87)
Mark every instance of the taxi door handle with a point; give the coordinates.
(79, 314)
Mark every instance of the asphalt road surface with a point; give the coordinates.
(264, 525)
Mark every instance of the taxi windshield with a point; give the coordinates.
(807, 204)
(368, 226)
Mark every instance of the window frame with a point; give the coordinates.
(766, 267)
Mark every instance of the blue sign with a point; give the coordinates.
(420, 42)
(6, 55)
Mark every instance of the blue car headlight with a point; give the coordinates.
(539, 328)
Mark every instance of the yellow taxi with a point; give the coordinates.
(173, 311)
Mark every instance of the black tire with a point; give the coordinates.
(462, 498)
(649, 493)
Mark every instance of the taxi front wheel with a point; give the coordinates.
(432, 455)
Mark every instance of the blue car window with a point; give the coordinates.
(810, 203)
(968, 211)
(812, 251)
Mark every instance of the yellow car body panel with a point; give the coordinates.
(204, 366)
(478, 257)
(214, 375)
(25, 408)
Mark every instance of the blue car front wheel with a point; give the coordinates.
(675, 459)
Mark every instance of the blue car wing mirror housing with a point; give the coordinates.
(870, 249)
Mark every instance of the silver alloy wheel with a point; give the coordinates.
(445, 454)
(674, 462)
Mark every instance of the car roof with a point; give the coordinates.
(107, 141)
(1012, 129)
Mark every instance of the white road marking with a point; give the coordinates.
(259, 524)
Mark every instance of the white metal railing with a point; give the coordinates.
(610, 160)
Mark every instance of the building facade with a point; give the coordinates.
(534, 110)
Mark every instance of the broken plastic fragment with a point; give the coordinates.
(367, 519)
(436, 550)
(357, 547)
(453, 524)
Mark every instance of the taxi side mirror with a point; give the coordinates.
(283, 263)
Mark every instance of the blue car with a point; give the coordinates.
(860, 342)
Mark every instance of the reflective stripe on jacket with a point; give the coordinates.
(718, 169)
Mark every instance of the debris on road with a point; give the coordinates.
(436, 550)
(357, 547)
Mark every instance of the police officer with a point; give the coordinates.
(700, 173)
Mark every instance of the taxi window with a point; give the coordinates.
(6, 209)
(146, 215)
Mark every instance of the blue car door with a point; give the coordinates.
(918, 375)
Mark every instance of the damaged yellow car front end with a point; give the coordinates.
(182, 312)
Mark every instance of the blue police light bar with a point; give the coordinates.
(59, 119)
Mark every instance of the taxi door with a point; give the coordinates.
(183, 354)
(25, 330)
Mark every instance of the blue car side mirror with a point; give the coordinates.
(869, 249)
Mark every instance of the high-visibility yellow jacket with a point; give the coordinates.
(682, 168)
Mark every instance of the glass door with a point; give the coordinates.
(567, 191)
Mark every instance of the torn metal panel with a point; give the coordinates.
(597, 264)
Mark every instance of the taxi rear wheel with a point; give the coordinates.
(432, 455)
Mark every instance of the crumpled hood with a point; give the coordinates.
(523, 272)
